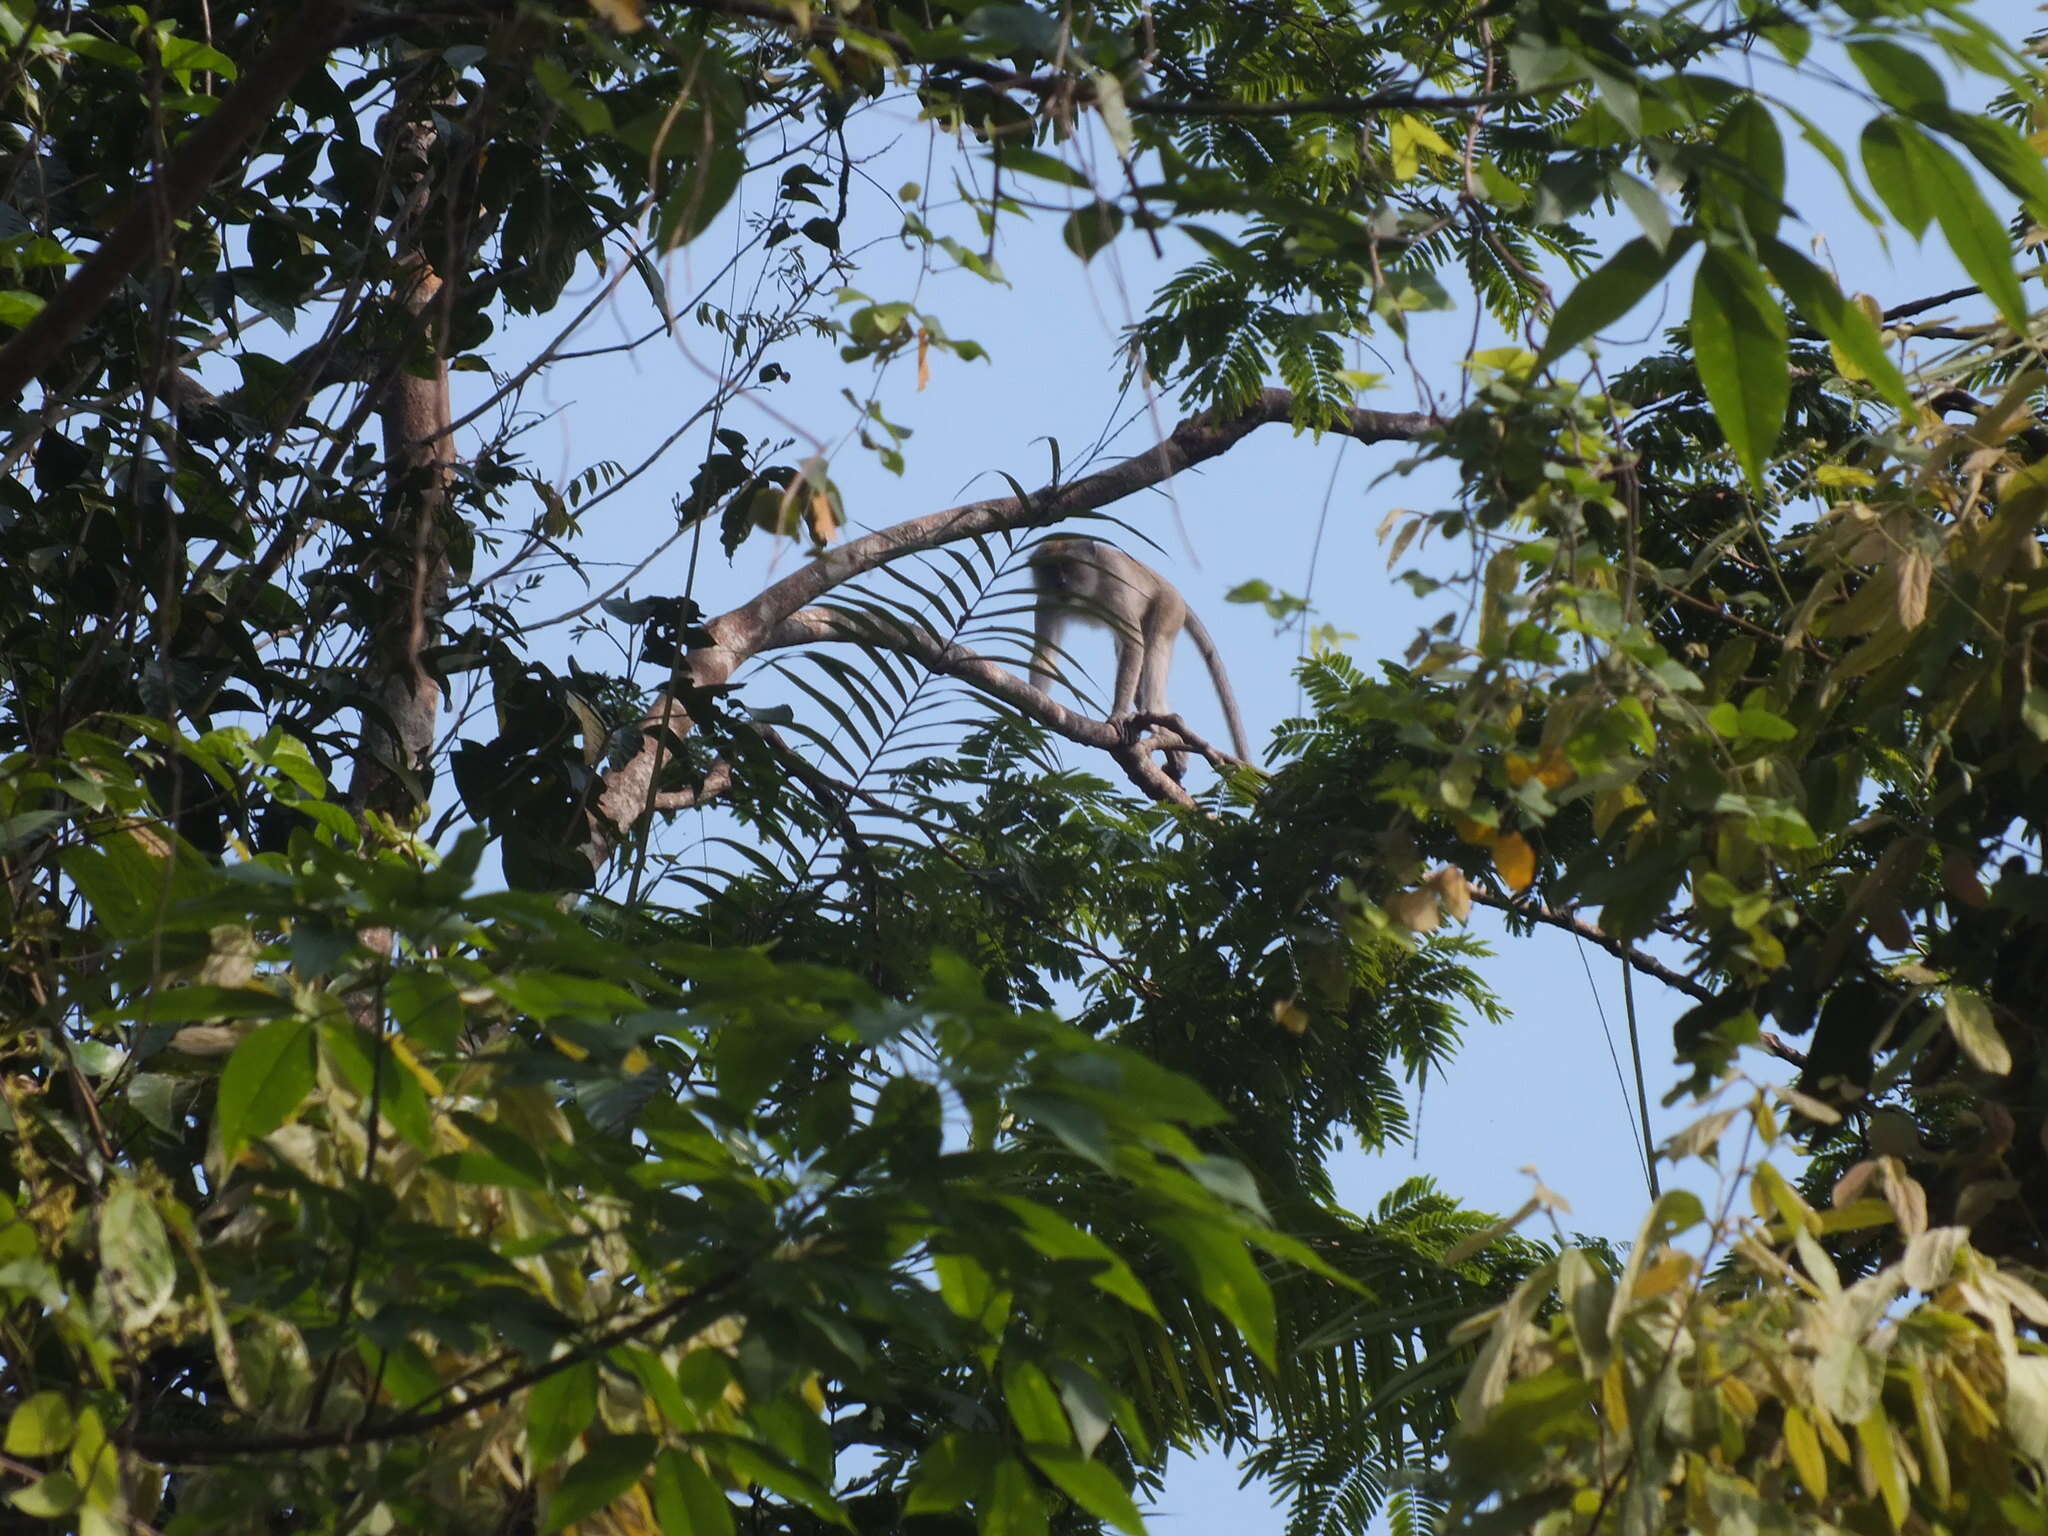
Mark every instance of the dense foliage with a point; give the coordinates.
(402, 1134)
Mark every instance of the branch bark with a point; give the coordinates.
(745, 631)
(317, 27)
(412, 566)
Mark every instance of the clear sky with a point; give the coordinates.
(1538, 1091)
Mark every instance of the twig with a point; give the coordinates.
(1621, 949)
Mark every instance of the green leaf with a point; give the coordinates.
(1094, 1487)
(971, 1291)
(1822, 305)
(1057, 1238)
(1089, 229)
(1752, 177)
(102, 50)
(1902, 79)
(1035, 162)
(1896, 173)
(137, 1272)
(1035, 1406)
(1647, 204)
(1739, 341)
(373, 1069)
(611, 1466)
(952, 1470)
(1603, 297)
(199, 1003)
(426, 1008)
(558, 1409)
(756, 1464)
(267, 1077)
(1229, 1279)
(701, 191)
(590, 114)
(41, 1425)
(1973, 231)
(686, 1501)
(18, 306)
(52, 1497)
(473, 1166)
(2000, 151)
(1014, 1506)
(184, 55)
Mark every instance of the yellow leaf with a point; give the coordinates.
(1415, 910)
(822, 518)
(1610, 803)
(1555, 771)
(1833, 475)
(1291, 1016)
(1614, 1398)
(1515, 860)
(1912, 572)
(1736, 1393)
(1882, 1459)
(635, 1062)
(1477, 833)
(422, 1074)
(1520, 770)
(568, 1048)
(625, 15)
(1411, 136)
(1802, 1449)
(1933, 1441)
(1453, 890)
(924, 358)
(1667, 1272)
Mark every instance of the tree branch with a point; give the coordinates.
(182, 1450)
(1621, 949)
(812, 626)
(743, 631)
(317, 26)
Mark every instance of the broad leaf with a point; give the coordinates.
(1739, 339)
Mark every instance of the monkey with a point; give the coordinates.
(1098, 583)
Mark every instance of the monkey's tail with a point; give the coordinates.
(1238, 741)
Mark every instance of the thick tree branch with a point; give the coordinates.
(738, 633)
(316, 27)
(744, 631)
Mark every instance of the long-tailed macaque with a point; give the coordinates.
(1095, 582)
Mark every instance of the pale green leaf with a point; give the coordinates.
(41, 1425)
(1969, 1020)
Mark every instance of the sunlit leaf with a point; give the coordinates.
(267, 1077)
(1740, 340)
